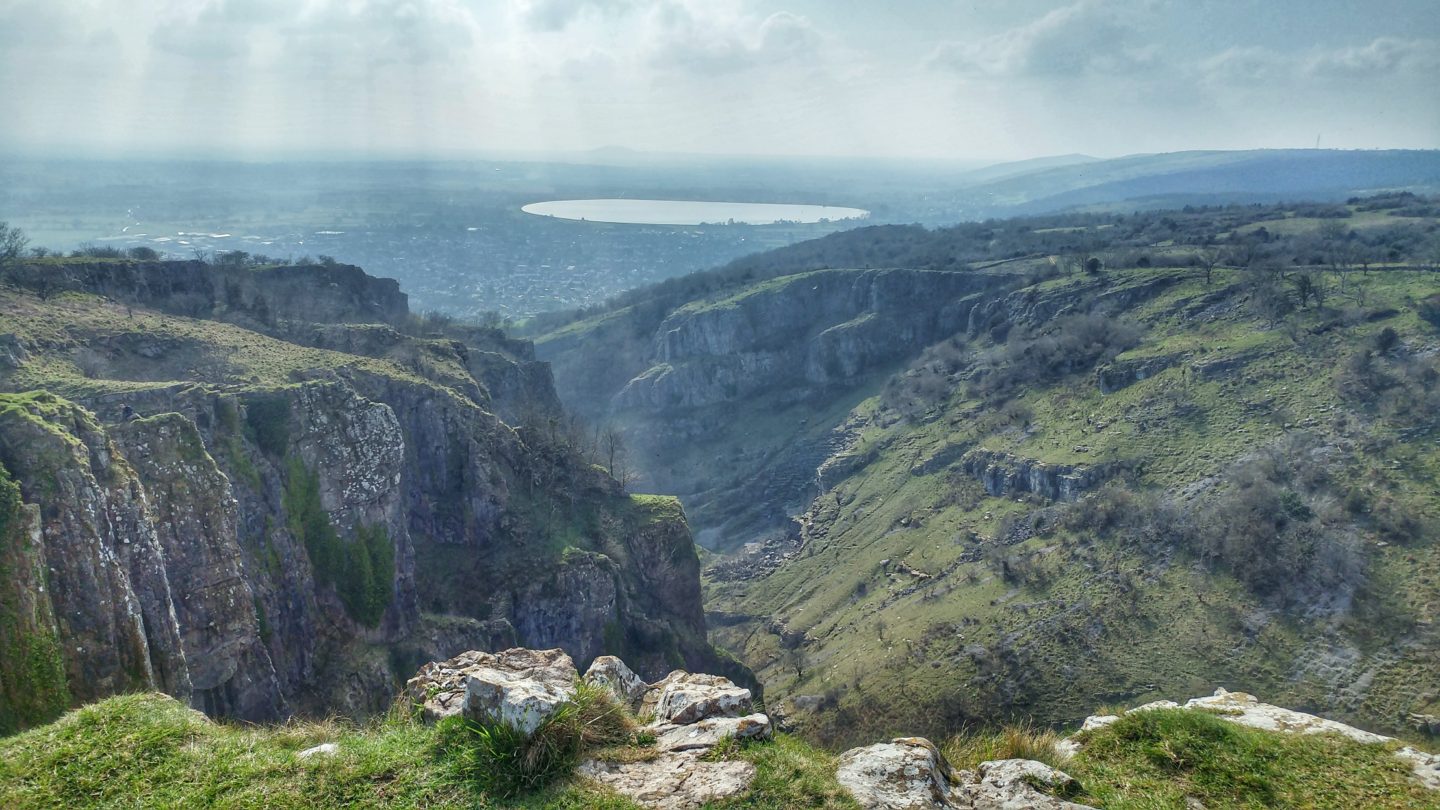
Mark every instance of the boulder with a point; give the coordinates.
(907, 773)
(708, 733)
(518, 687)
(1247, 710)
(611, 673)
(682, 698)
(1011, 784)
(672, 781)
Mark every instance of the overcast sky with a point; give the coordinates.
(904, 78)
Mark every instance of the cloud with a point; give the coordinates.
(1385, 56)
(1380, 59)
(1084, 38)
(710, 44)
(556, 15)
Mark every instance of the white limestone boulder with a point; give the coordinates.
(706, 734)
(682, 698)
(907, 773)
(518, 687)
(611, 673)
(672, 781)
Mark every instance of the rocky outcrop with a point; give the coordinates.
(610, 672)
(518, 687)
(1005, 474)
(259, 297)
(683, 698)
(816, 329)
(261, 546)
(676, 781)
(107, 579)
(196, 524)
(1247, 710)
(1113, 376)
(692, 714)
(910, 773)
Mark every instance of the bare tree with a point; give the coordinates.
(12, 243)
(612, 444)
(1209, 257)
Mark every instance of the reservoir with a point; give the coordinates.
(689, 212)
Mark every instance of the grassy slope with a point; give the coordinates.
(148, 750)
(1096, 622)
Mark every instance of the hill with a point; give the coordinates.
(271, 491)
(1207, 456)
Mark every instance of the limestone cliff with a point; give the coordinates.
(674, 382)
(284, 517)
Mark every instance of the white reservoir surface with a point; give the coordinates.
(689, 212)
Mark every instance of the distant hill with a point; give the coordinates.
(1213, 177)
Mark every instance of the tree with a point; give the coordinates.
(12, 243)
(1208, 257)
(612, 444)
(1093, 265)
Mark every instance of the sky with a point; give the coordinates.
(979, 80)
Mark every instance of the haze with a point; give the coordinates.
(445, 78)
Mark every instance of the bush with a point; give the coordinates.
(268, 417)
(505, 763)
(1065, 346)
(361, 572)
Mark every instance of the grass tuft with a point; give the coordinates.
(504, 762)
(968, 749)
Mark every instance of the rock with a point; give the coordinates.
(672, 781)
(1010, 784)
(1247, 710)
(684, 697)
(611, 673)
(708, 733)
(519, 687)
(907, 773)
(321, 750)
(1426, 767)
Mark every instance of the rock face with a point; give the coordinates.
(1005, 474)
(682, 370)
(203, 537)
(909, 773)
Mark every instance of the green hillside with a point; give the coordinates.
(1255, 504)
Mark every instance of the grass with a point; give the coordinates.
(149, 750)
(903, 655)
(507, 764)
(966, 750)
(1156, 759)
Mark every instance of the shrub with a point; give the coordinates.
(268, 417)
(361, 572)
(505, 763)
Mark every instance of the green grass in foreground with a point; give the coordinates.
(1155, 759)
(142, 751)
